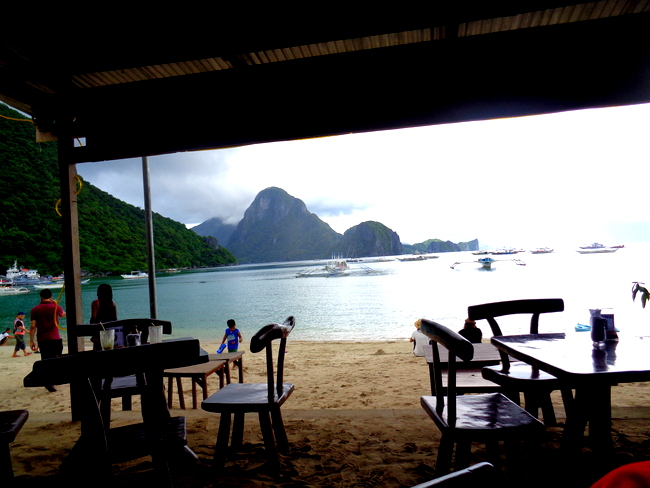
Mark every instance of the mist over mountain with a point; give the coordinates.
(215, 227)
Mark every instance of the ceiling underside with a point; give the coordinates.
(150, 81)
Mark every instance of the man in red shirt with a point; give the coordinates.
(44, 319)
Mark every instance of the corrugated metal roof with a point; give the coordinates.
(526, 20)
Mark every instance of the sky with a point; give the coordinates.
(558, 180)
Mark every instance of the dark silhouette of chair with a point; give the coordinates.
(263, 398)
(487, 418)
(516, 377)
(11, 421)
(481, 474)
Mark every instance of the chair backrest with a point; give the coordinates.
(457, 346)
(263, 340)
(535, 307)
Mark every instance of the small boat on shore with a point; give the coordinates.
(135, 275)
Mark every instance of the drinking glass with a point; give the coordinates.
(107, 338)
(155, 334)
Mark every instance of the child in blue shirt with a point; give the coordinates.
(233, 336)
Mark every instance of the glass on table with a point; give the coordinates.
(107, 338)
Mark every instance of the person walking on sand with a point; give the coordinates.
(44, 325)
(233, 336)
(19, 335)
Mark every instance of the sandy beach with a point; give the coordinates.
(354, 420)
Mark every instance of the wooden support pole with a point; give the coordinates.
(151, 256)
(70, 240)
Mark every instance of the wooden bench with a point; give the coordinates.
(11, 421)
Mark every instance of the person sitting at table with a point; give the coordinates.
(470, 332)
(419, 340)
(102, 310)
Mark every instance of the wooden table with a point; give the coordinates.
(159, 435)
(199, 374)
(469, 378)
(231, 358)
(593, 371)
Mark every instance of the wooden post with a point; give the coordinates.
(70, 240)
(71, 259)
(151, 257)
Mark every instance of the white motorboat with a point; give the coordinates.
(134, 275)
(22, 276)
(596, 250)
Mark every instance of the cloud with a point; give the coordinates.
(533, 181)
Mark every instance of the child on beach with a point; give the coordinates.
(19, 334)
(4, 337)
(233, 336)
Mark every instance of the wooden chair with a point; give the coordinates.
(125, 386)
(487, 418)
(263, 398)
(11, 421)
(516, 377)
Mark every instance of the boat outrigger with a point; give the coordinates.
(336, 267)
(487, 262)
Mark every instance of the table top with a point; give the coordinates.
(485, 354)
(124, 361)
(196, 369)
(228, 356)
(573, 357)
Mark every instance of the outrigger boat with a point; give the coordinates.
(12, 290)
(134, 275)
(336, 267)
(487, 262)
(56, 285)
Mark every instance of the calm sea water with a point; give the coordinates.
(381, 305)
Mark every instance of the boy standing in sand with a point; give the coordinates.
(19, 334)
(233, 336)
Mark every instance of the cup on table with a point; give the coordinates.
(107, 338)
(155, 334)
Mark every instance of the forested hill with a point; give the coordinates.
(111, 232)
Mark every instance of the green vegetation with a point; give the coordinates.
(111, 233)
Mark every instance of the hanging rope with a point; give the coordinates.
(58, 203)
(56, 309)
(17, 120)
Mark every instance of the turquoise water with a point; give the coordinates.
(381, 305)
